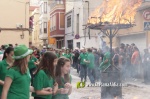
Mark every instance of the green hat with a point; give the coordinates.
(21, 51)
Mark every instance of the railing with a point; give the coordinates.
(54, 3)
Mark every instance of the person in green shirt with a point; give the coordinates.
(68, 54)
(7, 60)
(90, 65)
(32, 65)
(44, 77)
(106, 60)
(17, 80)
(83, 68)
(63, 79)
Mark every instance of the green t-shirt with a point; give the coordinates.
(67, 56)
(103, 65)
(31, 62)
(3, 71)
(40, 81)
(62, 96)
(20, 86)
(90, 58)
(83, 56)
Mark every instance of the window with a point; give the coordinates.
(70, 44)
(78, 45)
(54, 22)
(45, 7)
(40, 28)
(62, 20)
(69, 21)
(77, 23)
(45, 27)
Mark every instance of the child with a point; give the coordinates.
(17, 81)
(63, 79)
(44, 77)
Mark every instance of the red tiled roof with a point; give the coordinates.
(33, 7)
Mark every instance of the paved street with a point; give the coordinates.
(133, 90)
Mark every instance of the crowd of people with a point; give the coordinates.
(46, 72)
(22, 71)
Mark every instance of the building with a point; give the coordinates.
(51, 41)
(43, 20)
(57, 22)
(69, 31)
(36, 30)
(69, 25)
(14, 28)
(31, 23)
(76, 17)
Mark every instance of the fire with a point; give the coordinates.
(115, 11)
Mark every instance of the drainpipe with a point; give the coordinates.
(88, 16)
(73, 21)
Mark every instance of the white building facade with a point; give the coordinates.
(69, 24)
(43, 20)
(76, 34)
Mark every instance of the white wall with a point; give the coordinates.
(43, 18)
(81, 8)
(69, 5)
(12, 13)
(69, 31)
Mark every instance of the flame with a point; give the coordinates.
(115, 11)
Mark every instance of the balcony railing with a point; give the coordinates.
(54, 3)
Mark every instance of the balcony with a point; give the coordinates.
(56, 3)
(43, 36)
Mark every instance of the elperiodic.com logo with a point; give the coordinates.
(99, 84)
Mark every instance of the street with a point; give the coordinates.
(133, 90)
